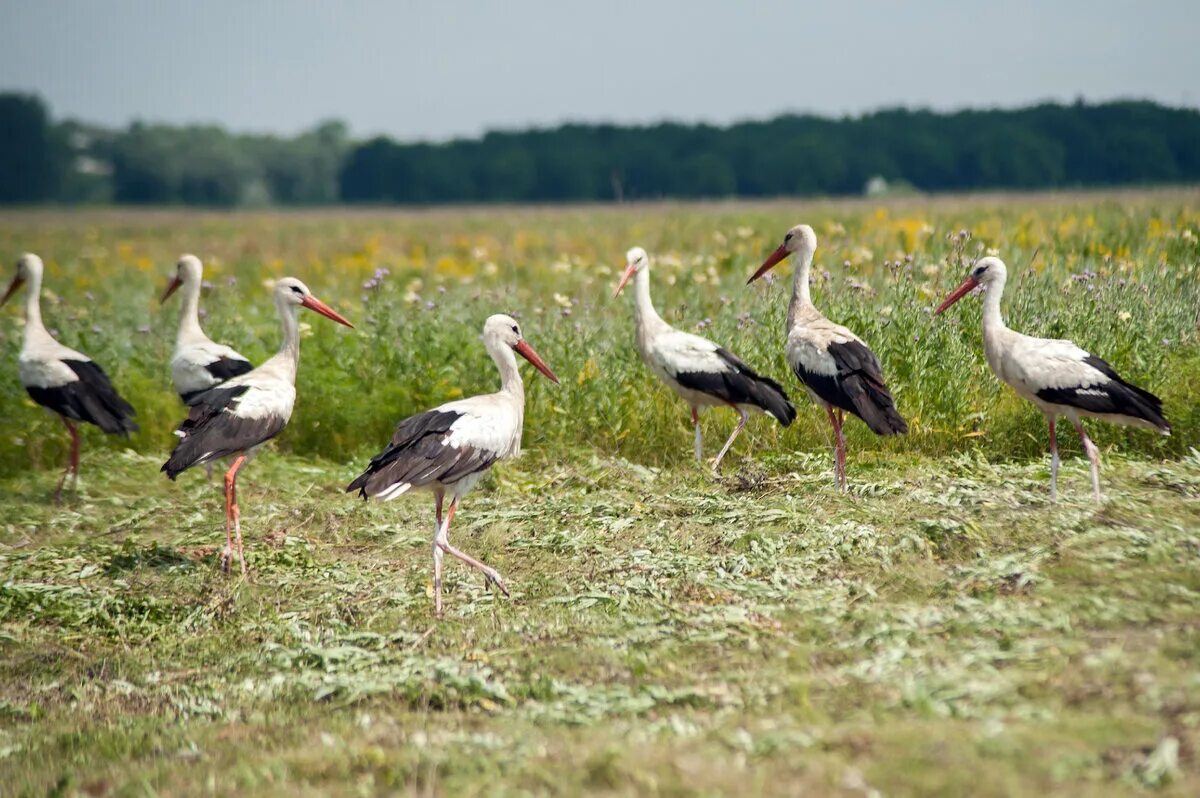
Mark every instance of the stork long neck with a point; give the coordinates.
(34, 328)
(644, 314)
(189, 314)
(992, 318)
(506, 364)
(287, 359)
(801, 298)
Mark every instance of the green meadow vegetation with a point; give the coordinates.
(942, 629)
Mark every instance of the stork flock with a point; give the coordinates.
(234, 408)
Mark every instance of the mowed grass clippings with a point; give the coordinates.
(942, 629)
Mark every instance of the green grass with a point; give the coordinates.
(556, 270)
(941, 630)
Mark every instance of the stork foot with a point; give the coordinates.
(493, 578)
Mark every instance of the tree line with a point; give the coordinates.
(1042, 146)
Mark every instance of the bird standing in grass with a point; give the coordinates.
(1056, 375)
(236, 417)
(446, 450)
(839, 371)
(198, 363)
(700, 372)
(61, 379)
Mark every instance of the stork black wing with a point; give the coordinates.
(212, 431)
(740, 385)
(224, 368)
(418, 455)
(91, 398)
(858, 388)
(1115, 397)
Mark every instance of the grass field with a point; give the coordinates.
(941, 630)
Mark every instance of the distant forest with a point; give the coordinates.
(1042, 146)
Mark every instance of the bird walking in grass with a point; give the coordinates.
(840, 372)
(1060, 378)
(198, 363)
(61, 379)
(240, 415)
(702, 373)
(446, 450)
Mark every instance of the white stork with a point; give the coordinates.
(246, 411)
(61, 379)
(1056, 375)
(839, 371)
(446, 450)
(198, 363)
(702, 373)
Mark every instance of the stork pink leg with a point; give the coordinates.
(1093, 454)
(744, 417)
(841, 449)
(437, 556)
(233, 517)
(699, 444)
(443, 542)
(72, 460)
(1053, 461)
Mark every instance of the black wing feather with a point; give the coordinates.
(741, 385)
(224, 368)
(417, 456)
(211, 432)
(1115, 397)
(91, 398)
(857, 388)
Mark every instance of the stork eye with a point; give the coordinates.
(517, 331)
(296, 289)
(787, 238)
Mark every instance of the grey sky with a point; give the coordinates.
(438, 69)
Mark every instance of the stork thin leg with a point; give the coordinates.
(443, 542)
(1053, 462)
(437, 556)
(741, 423)
(1094, 455)
(696, 424)
(841, 449)
(208, 471)
(233, 517)
(72, 460)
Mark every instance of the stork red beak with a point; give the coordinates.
(172, 287)
(526, 351)
(16, 283)
(629, 271)
(312, 303)
(967, 286)
(779, 254)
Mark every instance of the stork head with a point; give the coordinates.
(987, 272)
(29, 267)
(290, 291)
(505, 331)
(636, 260)
(188, 271)
(800, 238)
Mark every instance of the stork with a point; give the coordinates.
(244, 412)
(198, 363)
(1060, 378)
(61, 379)
(841, 374)
(700, 372)
(446, 450)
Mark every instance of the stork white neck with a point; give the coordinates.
(35, 331)
(286, 361)
(993, 291)
(189, 314)
(643, 309)
(506, 363)
(801, 298)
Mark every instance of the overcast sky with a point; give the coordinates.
(441, 68)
